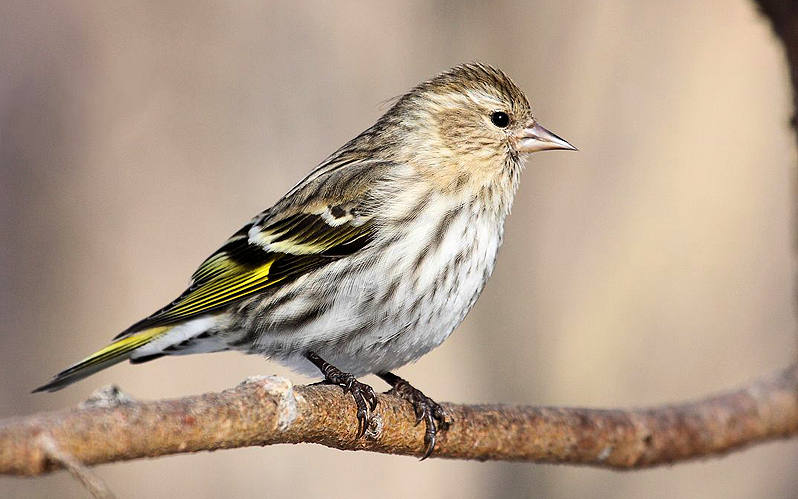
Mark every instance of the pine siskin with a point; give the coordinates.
(373, 259)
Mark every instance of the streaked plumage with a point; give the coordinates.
(371, 260)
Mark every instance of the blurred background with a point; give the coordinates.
(655, 265)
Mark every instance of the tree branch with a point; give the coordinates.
(269, 410)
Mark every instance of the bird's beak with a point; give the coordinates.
(536, 138)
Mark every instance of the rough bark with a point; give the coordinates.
(269, 410)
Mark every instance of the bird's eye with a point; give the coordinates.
(500, 119)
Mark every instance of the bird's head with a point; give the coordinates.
(469, 123)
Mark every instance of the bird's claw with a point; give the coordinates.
(365, 400)
(427, 410)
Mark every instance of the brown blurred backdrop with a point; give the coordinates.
(652, 266)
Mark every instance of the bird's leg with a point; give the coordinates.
(425, 408)
(364, 396)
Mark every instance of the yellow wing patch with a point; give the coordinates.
(249, 263)
(307, 245)
(230, 281)
(308, 234)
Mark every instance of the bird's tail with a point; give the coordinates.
(117, 351)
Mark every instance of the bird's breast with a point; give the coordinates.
(396, 299)
(437, 269)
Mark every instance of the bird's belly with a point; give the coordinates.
(386, 314)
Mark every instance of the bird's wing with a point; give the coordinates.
(278, 246)
(282, 250)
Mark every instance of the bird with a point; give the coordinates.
(371, 260)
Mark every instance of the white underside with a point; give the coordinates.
(185, 331)
(394, 333)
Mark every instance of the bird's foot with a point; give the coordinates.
(365, 398)
(433, 414)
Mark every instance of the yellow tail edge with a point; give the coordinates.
(114, 353)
